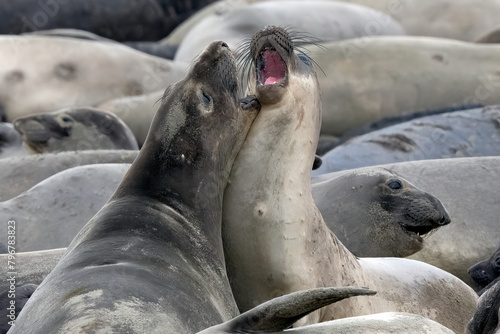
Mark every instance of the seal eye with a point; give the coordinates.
(395, 184)
(206, 98)
(496, 266)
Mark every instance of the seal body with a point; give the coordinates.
(275, 239)
(57, 208)
(11, 143)
(468, 133)
(131, 21)
(65, 77)
(160, 231)
(473, 234)
(361, 84)
(75, 129)
(326, 21)
(475, 18)
(21, 173)
(136, 111)
(377, 212)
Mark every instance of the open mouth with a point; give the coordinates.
(270, 67)
(418, 231)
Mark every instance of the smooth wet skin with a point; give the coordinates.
(151, 260)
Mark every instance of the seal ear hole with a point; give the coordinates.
(395, 184)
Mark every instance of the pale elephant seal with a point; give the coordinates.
(468, 133)
(368, 79)
(32, 267)
(114, 19)
(160, 231)
(455, 248)
(486, 318)
(485, 272)
(136, 111)
(326, 21)
(75, 129)
(275, 239)
(57, 208)
(378, 213)
(21, 173)
(67, 72)
(454, 19)
(11, 142)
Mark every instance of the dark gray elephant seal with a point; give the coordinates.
(56, 209)
(114, 19)
(485, 272)
(160, 231)
(486, 319)
(11, 142)
(20, 295)
(75, 129)
(467, 133)
(21, 173)
(378, 213)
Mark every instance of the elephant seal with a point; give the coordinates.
(64, 77)
(12, 301)
(131, 21)
(32, 267)
(492, 36)
(455, 247)
(160, 231)
(485, 272)
(487, 315)
(275, 240)
(258, 320)
(75, 129)
(361, 84)
(326, 21)
(467, 133)
(11, 143)
(54, 210)
(21, 173)
(453, 19)
(136, 111)
(378, 213)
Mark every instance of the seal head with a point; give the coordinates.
(485, 272)
(75, 129)
(377, 213)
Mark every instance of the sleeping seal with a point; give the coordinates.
(75, 129)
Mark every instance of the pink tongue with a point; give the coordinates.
(274, 70)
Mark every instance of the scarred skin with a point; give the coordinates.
(275, 240)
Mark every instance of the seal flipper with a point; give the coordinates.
(280, 313)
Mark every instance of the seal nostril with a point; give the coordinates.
(444, 220)
(224, 45)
